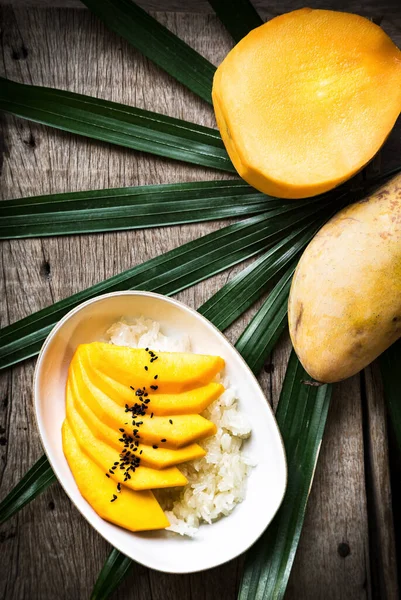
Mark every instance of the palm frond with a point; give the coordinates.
(116, 123)
(237, 16)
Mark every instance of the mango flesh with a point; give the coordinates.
(306, 100)
(100, 431)
(189, 402)
(156, 458)
(184, 429)
(144, 478)
(345, 302)
(176, 371)
(136, 511)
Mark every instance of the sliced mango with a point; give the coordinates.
(144, 478)
(159, 458)
(136, 511)
(176, 371)
(178, 432)
(182, 403)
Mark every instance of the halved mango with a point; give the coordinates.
(178, 432)
(144, 478)
(176, 371)
(181, 403)
(159, 458)
(304, 101)
(136, 511)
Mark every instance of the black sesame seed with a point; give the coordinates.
(147, 349)
(110, 471)
(121, 429)
(155, 377)
(139, 453)
(155, 447)
(146, 368)
(170, 421)
(114, 498)
(119, 486)
(151, 416)
(163, 440)
(116, 463)
(154, 387)
(107, 475)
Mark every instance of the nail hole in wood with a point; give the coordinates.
(6, 536)
(45, 269)
(52, 506)
(31, 142)
(3, 441)
(21, 53)
(5, 402)
(269, 368)
(343, 550)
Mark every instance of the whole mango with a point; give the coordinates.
(345, 301)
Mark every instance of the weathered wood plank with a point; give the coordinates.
(390, 8)
(381, 525)
(49, 550)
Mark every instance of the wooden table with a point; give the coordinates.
(347, 549)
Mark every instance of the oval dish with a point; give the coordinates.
(164, 551)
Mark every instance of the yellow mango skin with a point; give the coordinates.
(144, 478)
(299, 100)
(184, 430)
(159, 458)
(345, 301)
(183, 403)
(177, 372)
(136, 511)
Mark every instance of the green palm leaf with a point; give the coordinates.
(116, 123)
(301, 416)
(36, 480)
(156, 42)
(237, 16)
(131, 208)
(234, 298)
(166, 274)
(264, 330)
(114, 570)
(390, 366)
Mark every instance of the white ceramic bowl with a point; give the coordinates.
(164, 551)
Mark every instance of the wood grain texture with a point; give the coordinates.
(48, 551)
(390, 8)
(381, 525)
